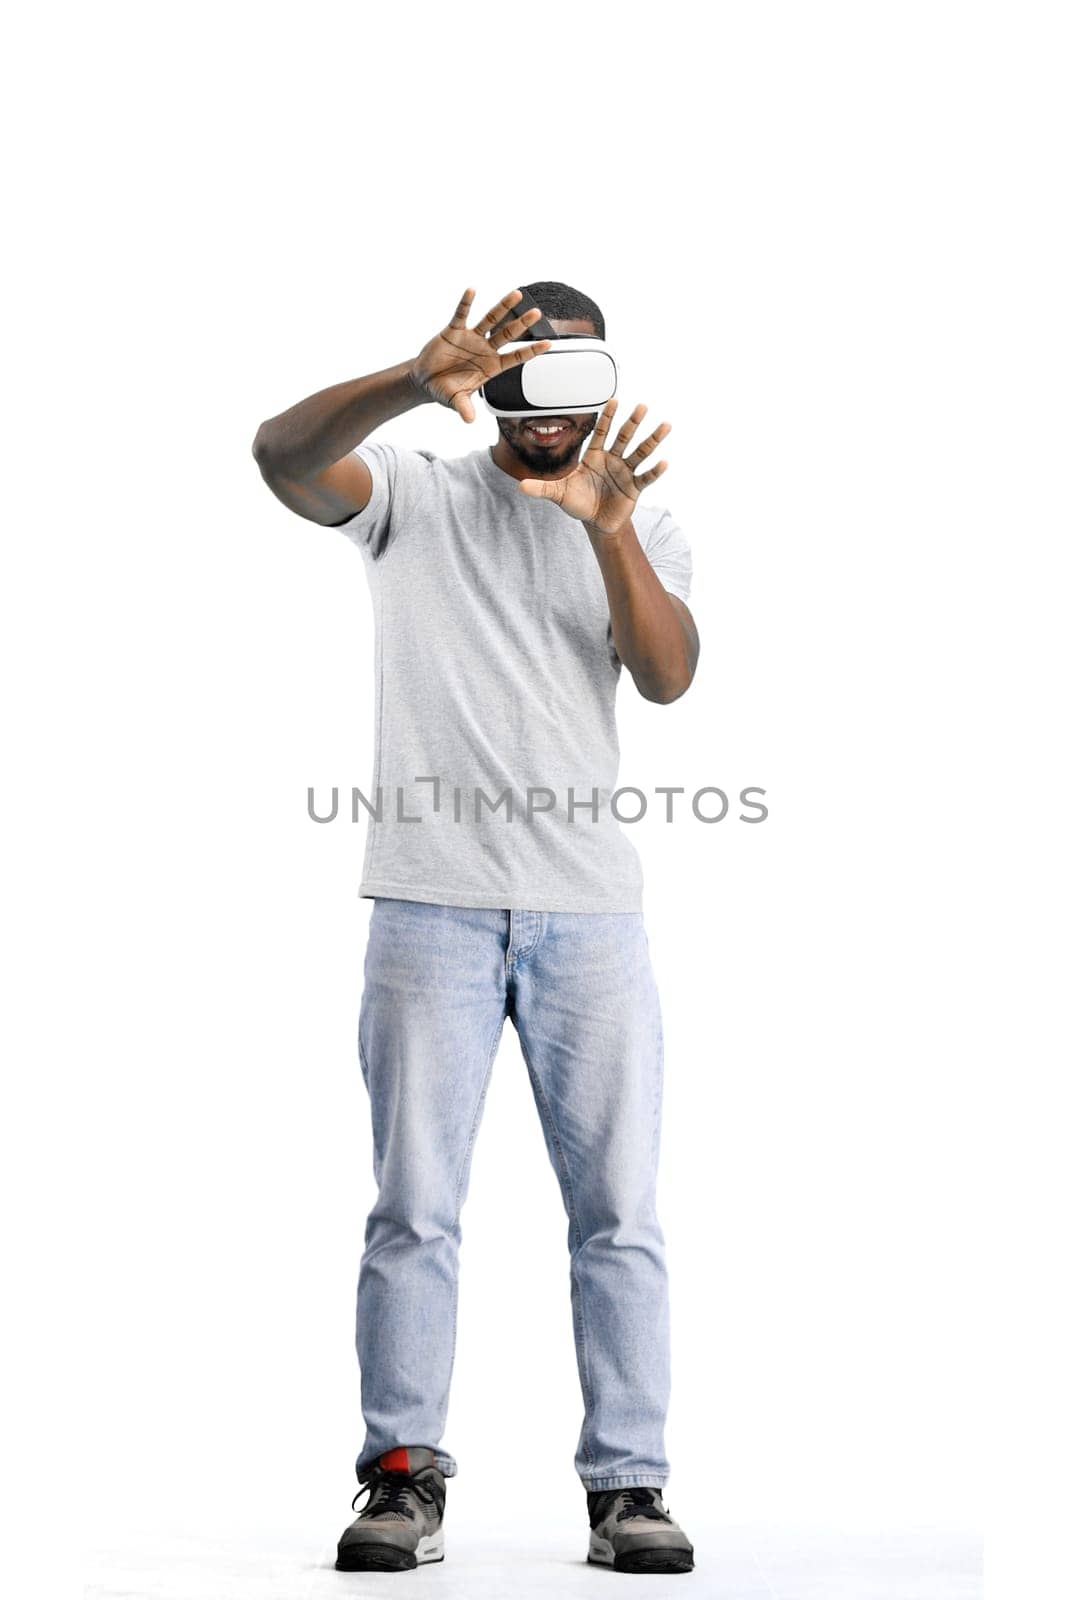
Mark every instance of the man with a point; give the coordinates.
(510, 586)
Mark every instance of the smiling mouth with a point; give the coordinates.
(546, 432)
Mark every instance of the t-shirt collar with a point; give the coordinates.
(497, 475)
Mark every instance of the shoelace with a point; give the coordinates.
(639, 1503)
(389, 1491)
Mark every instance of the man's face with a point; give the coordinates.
(553, 452)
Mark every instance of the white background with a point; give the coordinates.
(828, 243)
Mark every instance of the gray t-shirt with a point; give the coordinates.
(494, 672)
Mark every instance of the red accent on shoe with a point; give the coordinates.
(396, 1460)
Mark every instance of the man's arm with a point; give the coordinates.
(305, 453)
(654, 633)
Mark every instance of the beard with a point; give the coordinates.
(546, 457)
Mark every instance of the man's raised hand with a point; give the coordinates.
(604, 487)
(458, 360)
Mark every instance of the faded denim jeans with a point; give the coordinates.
(439, 983)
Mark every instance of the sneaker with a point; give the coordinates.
(631, 1531)
(400, 1526)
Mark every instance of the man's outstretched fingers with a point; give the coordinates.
(643, 479)
(461, 402)
(495, 313)
(511, 330)
(511, 358)
(544, 488)
(646, 447)
(603, 422)
(459, 316)
(626, 432)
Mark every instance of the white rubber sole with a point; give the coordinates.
(431, 1547)
(600, 1550)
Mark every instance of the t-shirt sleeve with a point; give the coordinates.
(398, 480)
(669, 555)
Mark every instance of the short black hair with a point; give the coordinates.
(564, 304)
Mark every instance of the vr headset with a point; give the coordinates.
(575, 374)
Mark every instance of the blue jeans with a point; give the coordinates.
(579, 989)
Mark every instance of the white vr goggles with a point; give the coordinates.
(575, 374)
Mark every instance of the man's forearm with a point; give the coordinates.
(654, 639)
(318, 431)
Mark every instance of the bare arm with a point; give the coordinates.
(654, 632)
(305, 453)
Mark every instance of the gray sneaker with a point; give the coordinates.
(400, 1526)
(632, 1531)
